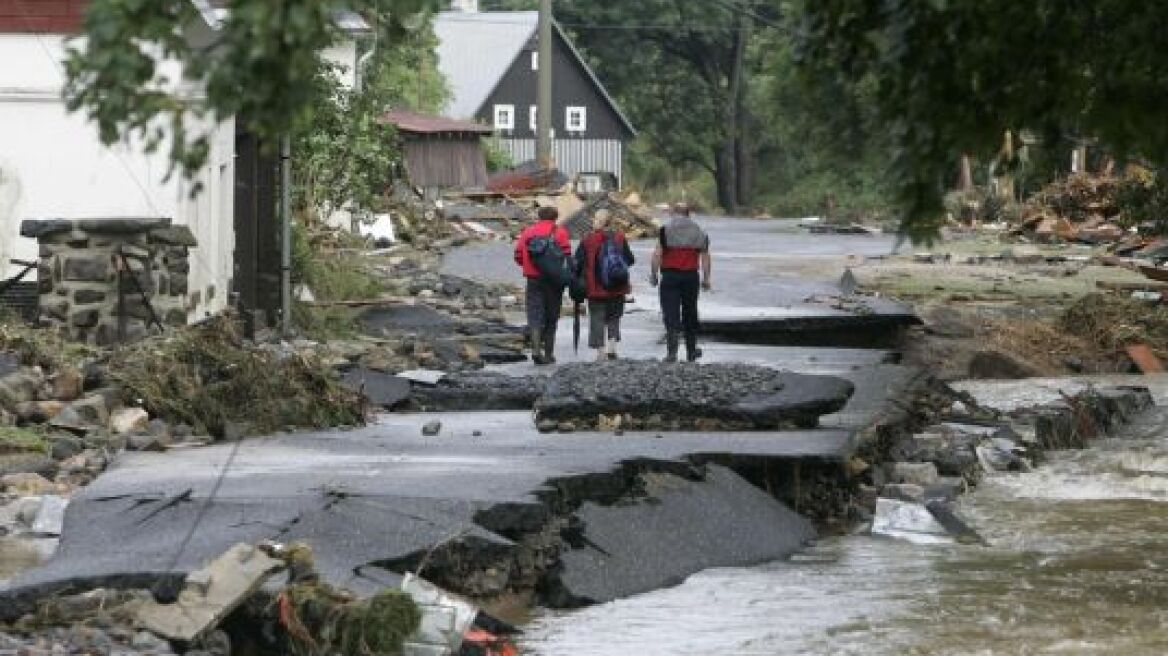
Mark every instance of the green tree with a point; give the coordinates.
(953, 76)
(262, 67)
(346, 156)
(684, 71)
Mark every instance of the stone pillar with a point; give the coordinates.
(107, 280)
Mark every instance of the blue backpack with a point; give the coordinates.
(611, 267)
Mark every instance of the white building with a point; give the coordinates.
(53, 165)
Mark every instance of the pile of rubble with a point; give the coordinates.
(1081, 207)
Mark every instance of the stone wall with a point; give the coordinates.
(104, 281)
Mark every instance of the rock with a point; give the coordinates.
(20, 387)
(68, 384)
(947, 322)
(566, 427)
(468, 353)
(995, 364)
(546, 426)
(23, 463)
(83, 414)
(916, 473)
(957, 527)
(26, 484)
(958, 408)
(65, 446)
(124, 421)
(38, 412)
(911, 522)
(432, 428)
(9, 363)
(857, 466)
(50, 517)
(907, 492)
(146, 442)
(946, 488)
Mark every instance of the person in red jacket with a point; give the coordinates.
(683, 250)
(605, 306)
(544, 297)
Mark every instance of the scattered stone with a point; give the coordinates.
(146, 442)
(915, 473)
(546, 426)
(566, 427)
(24, 463)
(957, 527)
(50, 517)
(83, 415)
(68, 384)
(26, 484)
(124, 421)
(906, 492)
(911, 522)
(64, 446)
(38, 412)
(432, 428)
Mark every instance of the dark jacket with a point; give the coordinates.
(586, 255)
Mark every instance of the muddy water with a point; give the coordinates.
(1078, 565)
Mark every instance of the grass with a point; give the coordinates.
(18, 439)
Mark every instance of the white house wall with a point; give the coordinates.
(52, 165)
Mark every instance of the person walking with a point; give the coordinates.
(541, 251)
(683, 249)
(604, 258)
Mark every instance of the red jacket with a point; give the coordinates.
(587, 253)
(539, 229)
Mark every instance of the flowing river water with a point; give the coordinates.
(1078, 564)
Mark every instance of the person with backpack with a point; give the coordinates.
(544, 252)
(603, 258)
(683, 249)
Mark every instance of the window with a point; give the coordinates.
(504, 117)
(535, 60)
(577, 120)
(533, 116)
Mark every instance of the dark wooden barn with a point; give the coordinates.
(491, 62)
(440, 152)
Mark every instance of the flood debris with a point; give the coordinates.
(210, 594)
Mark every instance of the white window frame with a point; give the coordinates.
(535, 60)
(533, 117)
(509, 124)
(581, 113)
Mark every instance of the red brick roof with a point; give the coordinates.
(42, 16)
(407, 121)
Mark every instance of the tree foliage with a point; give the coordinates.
(260, 68)
(953, 76)
(345, 156)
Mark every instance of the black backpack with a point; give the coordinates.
(554, 267)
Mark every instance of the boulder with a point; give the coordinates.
(38, 412)
(736, 396)
(124, 421)
(23, 463)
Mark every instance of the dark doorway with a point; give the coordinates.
(256, 279)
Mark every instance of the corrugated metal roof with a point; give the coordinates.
(408, 121)
(476, 49)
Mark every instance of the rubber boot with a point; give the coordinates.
(601, 355)
(692, 352)
(611, 349)
(537, 347)
(549, 347)
(671, 342)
